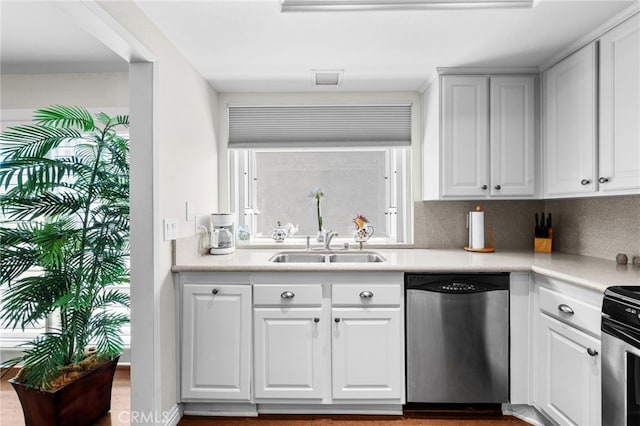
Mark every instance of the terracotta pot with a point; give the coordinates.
(77, 404)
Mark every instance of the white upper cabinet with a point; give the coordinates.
(487, 137)
(570, 124)
(619, 145)
(465, 135)
(592, 117)
(512, 136)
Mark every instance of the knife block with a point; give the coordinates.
(542, 245)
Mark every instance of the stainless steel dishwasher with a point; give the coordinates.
(457, 338)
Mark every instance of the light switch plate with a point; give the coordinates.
(188, 207)
(170, 229)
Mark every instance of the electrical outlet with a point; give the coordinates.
(170, 229)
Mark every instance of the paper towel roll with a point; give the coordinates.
(476, 230)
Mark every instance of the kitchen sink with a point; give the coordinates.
(327, 257)
(299, 258)
(366, 257)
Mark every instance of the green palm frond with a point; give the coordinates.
(33, 298)
(43, 358)
(65, 117)
(104, 329)
(31, 141)
(47, 204)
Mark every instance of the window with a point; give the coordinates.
(359, 155)
(273, 185)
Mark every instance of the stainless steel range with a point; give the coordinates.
(621, 356)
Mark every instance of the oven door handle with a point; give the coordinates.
(619, 331)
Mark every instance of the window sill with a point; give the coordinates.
(336, 244)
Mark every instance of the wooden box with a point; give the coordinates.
(542, 245)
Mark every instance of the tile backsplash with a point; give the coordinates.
(599, 227)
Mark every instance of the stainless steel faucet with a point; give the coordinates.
(328, 238)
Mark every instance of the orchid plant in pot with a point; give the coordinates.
(317, 194)
(65, 250)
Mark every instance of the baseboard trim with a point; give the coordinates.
(173, 416)
(220, 409)
(361, 409)
(525, 413)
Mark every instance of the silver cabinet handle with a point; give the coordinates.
(484, 187)
(498, 187)
(585, 182)
(214, 291)
(565, 309)
(287, 295)
(366, 295)
(337, 319)
(603, 180)
(592, 352)
(316, 320)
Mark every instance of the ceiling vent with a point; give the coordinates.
(327, 78)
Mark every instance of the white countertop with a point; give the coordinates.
(589, 272)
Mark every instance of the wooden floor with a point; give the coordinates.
(11, 414)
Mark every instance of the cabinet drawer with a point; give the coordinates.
(365, 294)
(571, 310)
(287, 294)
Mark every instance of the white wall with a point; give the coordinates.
(31, 91)
(316, 98)
(185, 142)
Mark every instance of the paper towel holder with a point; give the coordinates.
(489, 249)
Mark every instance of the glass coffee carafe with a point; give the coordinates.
(222, 233)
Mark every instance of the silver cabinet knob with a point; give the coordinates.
(316, 320)
(337, 320)
(565, 309)
(585, 182)
(603, 180)
(498, 187)
(592, 352)
(366, 295)
(214, 291)
(484, 187)
(287, 295)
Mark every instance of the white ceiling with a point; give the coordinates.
(241, 45)
(37, 37)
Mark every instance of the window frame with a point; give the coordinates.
(398, 193)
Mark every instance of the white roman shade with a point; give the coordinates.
(319, 125)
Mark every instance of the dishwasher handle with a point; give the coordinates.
(457, 284)
(456, 287)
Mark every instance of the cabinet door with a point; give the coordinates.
(512, 136)
(288, 353)
(570, 123)
(465, 136)
(216, 345)
(569, 387)
(619, 153)
(367, 353)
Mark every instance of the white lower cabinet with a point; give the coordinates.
(216, 341)
(366, 362)
(288, 353)
(328, 342)
(567, 353)
(570, 380)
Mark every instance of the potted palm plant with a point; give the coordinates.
(64, 253)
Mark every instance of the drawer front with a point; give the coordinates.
(571, 310)
(287, 294)
(365, 295)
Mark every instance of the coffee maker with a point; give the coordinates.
(223, 238)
